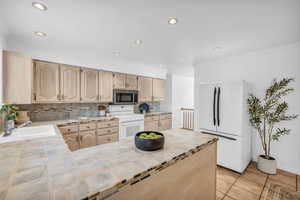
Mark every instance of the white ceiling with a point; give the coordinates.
(101, 27)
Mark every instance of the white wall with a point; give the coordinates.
(259, 68)
(183, 97)
(3, 32)
(179, 92)
(82, 57)
(166, 105)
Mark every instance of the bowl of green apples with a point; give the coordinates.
(149, 140)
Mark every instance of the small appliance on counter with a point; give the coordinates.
(22, 116)
(144, 108)
(102, 110)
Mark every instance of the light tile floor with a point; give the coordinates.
(252, 184)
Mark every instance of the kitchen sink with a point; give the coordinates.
(29, 133)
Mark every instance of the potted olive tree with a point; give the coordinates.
(10, 115)
(265, 116)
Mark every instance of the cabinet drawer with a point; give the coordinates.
(65, 130)
(104, 139)
(106, 131)
(152, 118)
(108, 124)
(165, 116)
(86, 127)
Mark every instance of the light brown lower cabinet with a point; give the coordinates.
(107, 131)
(104, 139)
(158, 122)
(72, 141)
(165, 124)
(87, 139)
(83, 135)
(151, 125)
(193, 178)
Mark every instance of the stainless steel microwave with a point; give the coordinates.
(125, 96)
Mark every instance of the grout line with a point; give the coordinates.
(260, 196)
(231, 187)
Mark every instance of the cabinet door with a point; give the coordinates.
(104, 139)
(17, 78)
(46, 82)
(230, 108)
(158, 89)
(165, 124)
(131, 82)
(205, 111)
(70, 83)
(151, 126)
(105, 86)
(72, 141)
(87, 139)
(119, 81)
(89, 85)
(145, 89)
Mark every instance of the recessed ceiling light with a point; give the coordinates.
(217, 49)
(138, 42)
(40, 34)
(39, 6)
(172, 21)
(116, 53)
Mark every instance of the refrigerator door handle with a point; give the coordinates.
(218, 107)
(214, 106)
(222, 136)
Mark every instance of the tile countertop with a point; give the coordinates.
(45, 169)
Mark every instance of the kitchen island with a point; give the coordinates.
(44, 168)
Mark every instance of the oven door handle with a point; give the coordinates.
(126, 122)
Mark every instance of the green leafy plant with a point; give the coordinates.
(267, 112)
(10, 111)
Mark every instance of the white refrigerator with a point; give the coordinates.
(221, 110)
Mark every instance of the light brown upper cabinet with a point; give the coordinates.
(105, 86)
(145, 89)
(70, 83)
(46, 82)
(158, 89)
(125, 81)
(17, 79)
(131, 82)
(119, 80)
(89, 85)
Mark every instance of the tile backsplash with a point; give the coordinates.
(49, 112)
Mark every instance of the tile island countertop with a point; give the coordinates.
(45, 169)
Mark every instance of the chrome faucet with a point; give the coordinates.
(25, 124)
(10, 131)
